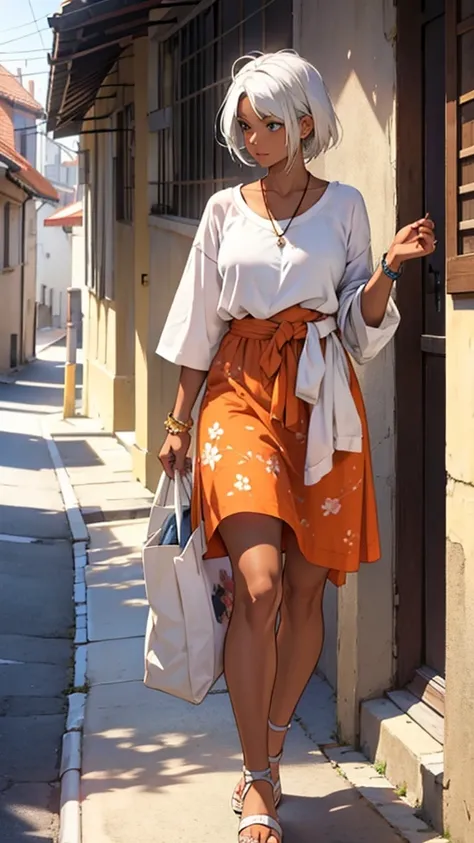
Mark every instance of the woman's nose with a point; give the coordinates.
(253, 138)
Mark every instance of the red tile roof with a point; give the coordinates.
(13, 91)
(27, 176)
(69, 215)
(21, 169)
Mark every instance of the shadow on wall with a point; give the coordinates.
(354, 44)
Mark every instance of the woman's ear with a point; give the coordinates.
(306, 126)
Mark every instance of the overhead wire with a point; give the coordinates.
(30, 3)
(23, 25)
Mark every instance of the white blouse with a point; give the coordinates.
(236, 268)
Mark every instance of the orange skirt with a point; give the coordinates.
(251, 448)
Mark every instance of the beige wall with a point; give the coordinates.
(169, 250)
(352, 48)
(459, 719)
(109, 376)
(10, 312)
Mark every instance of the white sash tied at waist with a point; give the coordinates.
(324, 382)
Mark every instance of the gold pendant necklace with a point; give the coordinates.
(280, 235)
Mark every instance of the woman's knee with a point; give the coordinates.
(303, 590)
(258, 598)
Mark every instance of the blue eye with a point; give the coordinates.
(274, 127)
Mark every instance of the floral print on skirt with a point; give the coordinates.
(251, 447)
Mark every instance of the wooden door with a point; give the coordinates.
(420, 347)
(432, 341)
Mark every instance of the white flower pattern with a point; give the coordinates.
(215, 432)
(272, 466)
(242, 483)
(210, 455)
(331, 506)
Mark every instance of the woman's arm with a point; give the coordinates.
(413, 241)
(174, 450)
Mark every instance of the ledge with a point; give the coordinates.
(177, 225)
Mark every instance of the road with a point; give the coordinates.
(36, 608)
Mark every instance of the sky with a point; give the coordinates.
(25, 41)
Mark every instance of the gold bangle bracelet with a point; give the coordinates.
(176, 426)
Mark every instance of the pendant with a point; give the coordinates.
(281, 241)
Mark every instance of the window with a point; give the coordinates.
(194, 67)
(460, 147)
(124, 165)
(6, 234)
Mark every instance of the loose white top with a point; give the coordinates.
(236, 268)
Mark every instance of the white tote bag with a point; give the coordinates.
(190, 603)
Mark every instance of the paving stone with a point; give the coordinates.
(116, 602)
(150, 761)
(119, 660)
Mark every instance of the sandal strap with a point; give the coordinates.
(251, 776)
(275, 728)
(261, 819)
(275, 759)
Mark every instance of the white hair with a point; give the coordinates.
(281, 85)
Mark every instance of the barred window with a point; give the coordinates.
(124, 165)
(194, 68)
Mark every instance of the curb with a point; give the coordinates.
(70, 828)
(73, 511)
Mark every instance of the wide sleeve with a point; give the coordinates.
(193, 330)
(361, 341)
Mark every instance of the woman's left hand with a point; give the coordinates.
(413, 241)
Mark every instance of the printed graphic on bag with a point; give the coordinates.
(223, 597)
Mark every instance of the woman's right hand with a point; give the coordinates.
(173, 454)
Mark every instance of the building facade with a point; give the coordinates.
(54, 242)
(398, 649)
(20, 185)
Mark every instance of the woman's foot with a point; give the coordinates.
(259, 800)
(276, 739)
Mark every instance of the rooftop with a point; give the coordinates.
(13, 92)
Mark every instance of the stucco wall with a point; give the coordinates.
(351, 43)
(109, 321)
(168, 254)
(54, 263)
(459, 722)
(11, 277)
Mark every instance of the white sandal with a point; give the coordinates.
(252, 776)
(237, 799)
(275, 759)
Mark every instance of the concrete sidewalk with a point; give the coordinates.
(155, 769)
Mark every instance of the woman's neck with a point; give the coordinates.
(283, 182)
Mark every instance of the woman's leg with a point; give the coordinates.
(300, 637)
(254, 546)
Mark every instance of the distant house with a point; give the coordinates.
(54, 241)
(20, 185)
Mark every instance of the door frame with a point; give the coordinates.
(409, 576)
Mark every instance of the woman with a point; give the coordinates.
(277, 289)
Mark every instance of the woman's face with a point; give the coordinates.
(265, 138)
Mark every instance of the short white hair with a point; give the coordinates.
(281, 85)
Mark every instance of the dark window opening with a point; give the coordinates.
(194, 68)
(124, 165)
